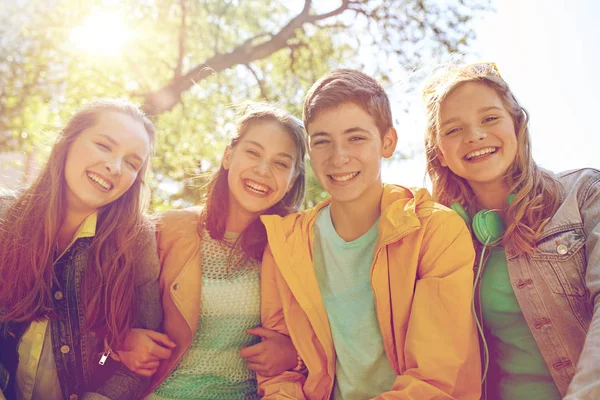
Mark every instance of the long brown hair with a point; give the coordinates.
(29, 228)
(537, 193)
(253, 239)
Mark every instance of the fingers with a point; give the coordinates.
(256, 367)
(263, 332)
(148, 365)
(161, 339)
(251, 351)
(159, 352)
(145, 372)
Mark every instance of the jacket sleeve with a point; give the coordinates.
(123, 383)
(442, 348)
(586, 382)
(287, 385)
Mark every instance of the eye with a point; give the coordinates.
(132, 165)
(451, 131)
(490, 119)
(281, 164)
(252, 153)
(103, 146)
(320, 142)
(356, 138)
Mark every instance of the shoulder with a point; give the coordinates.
(179, 223)
(583, 181)
(418, 203)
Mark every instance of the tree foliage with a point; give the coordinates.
(189, 62)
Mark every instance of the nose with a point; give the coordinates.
(475, 134)
(262, 168)
(339, 156)
(113, 166)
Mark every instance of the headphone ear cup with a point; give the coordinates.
(488, 227)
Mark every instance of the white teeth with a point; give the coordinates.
(257, 187)
(343, 178)
(106, 185)
(480, 152)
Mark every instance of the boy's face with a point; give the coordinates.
(346, 148)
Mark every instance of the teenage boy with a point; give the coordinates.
(373, 284)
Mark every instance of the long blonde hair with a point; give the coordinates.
(29, 228)
(537, 193)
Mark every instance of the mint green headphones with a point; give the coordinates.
(487, 225)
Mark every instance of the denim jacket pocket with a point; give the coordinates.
(560, 257)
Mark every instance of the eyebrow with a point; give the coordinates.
(282, 154)
(480, 111)
(348, 131)
(114, 142)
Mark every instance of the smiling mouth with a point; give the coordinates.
(256, 188)
(474, 155)
(344, 177)
(99, 181)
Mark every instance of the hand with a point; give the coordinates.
(143, 349)
(273, 355)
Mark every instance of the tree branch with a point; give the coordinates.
(168, 96)
(261, 86)
(182, 31)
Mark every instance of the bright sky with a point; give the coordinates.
(549, 53)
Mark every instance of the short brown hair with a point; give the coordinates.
(348, 85)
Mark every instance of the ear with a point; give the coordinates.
(389, 142)
(441, 157)
(227, 158)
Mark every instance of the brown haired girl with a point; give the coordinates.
(210, 278)
(77, 261)
(538, 281)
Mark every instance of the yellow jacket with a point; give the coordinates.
(422, 279)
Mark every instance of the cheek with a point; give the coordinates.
(127, 180)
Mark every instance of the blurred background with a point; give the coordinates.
(189, 63)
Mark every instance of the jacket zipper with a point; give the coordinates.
(104, 356)
(393, 240)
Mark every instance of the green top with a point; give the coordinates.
(517, 368)
(212, 368)
(343, 271)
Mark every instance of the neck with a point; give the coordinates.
(238, 220)
(68, 228)
(353, 219)
(491, 196)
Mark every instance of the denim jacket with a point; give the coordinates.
(558, 287)
(77, 353)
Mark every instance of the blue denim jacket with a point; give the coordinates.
(558, 287)
(77, 353)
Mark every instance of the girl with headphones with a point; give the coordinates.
(537, 289)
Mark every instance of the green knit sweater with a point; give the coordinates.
(212, 367)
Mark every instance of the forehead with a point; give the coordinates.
(338, 119)
(469, 97)
(271, 135)
(129, 133)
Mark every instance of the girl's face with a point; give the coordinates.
(104, 161)
(477, 138)
(261, 167)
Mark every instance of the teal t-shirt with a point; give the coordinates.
(343, 271)
(517, 368)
